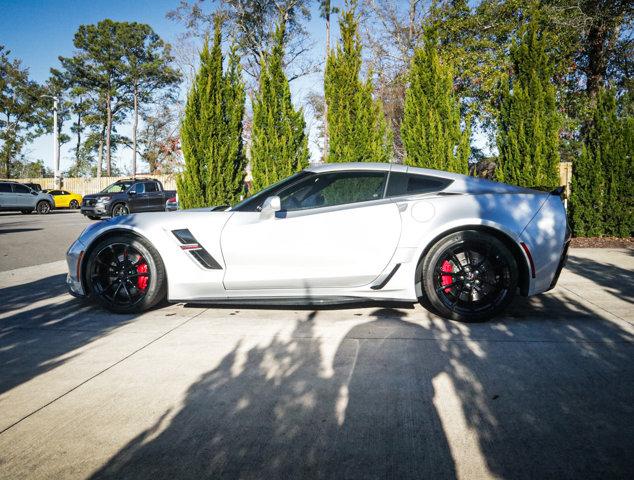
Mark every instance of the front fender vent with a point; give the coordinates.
(190, 244)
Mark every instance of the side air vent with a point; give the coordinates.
(196, 250)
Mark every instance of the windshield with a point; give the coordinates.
(117, 187)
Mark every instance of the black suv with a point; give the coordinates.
(127, 196)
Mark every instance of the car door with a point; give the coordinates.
(156, 202)
(335, 230)
(24, 197)
(137, 198)
(7, 198)
(64, 198)
(58, 198)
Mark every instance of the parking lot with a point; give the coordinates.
(384, 391)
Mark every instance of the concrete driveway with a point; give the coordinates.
(547, 391)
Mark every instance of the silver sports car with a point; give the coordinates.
(335, 233)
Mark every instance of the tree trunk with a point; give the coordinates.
(597, 63)
(78, 146)
(100, 152)
(108, 133)
(326, 146)
(134, 129)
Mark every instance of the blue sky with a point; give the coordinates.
(38, 31)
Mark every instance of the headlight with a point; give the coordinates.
(103, 199)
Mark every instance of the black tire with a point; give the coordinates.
(469, 276)
(120, 209)
(43, 207)
(92, 217)
(74, 204)
(115, 269)
(27, 212)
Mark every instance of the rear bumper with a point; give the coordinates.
(563, 259)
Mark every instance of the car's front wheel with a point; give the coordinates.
(125, 274)
(469, 276)
(120, 209)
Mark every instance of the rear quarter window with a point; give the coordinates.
(5, 188)
(412, 184)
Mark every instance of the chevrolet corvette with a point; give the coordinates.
(335, 233)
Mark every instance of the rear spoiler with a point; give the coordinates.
(557, 192)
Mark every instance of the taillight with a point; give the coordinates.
(172, 200)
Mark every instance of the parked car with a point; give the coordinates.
(64, 198)
(18, 197)
(462, 246)
(34, 186)
(135, 195)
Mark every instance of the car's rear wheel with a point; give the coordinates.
(120, 209)
(125, 274)
(74, 204)
(469, 276)
(43, 207)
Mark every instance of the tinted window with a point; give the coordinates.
(17, 188)
(335, 188)
(139, 188)
(64, 192)
(254, 203)
(412, 184)
(5, 188)
(55, 192)
(151, 187)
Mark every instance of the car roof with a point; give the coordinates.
(382, 167)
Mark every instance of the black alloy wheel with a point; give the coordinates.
(125, 274)
(43, 207)
(469, 276)
(120, 209)
(74, 204)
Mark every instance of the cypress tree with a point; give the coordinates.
(528, 135)
(279, 145)
(430, 130)
(586, 195)
(211, 132)
(357, 128)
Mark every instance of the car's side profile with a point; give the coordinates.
(18, 197)
(64, 198)
(335, 233)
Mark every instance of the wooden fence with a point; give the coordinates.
(84, 186)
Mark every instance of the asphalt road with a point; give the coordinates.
(27, 240)
(545, 391)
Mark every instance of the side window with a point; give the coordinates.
(64, 192)
(5, 188)
(138, 188)
(55, 192)
(17, 188)
(335, 188)
(151, 187)
(413, 184)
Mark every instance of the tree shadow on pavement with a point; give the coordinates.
(538, 396)
(612, 278)
(38, 334)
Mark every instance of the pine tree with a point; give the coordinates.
(430, 130)
(357, 128)
(211, 133)
(528, 126)
(279, 144)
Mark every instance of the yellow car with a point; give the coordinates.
(64, 199)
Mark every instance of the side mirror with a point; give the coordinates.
(131, 192)
(270, 206)
(33, 192)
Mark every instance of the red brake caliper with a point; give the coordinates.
(446, 279)
(141, 281)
